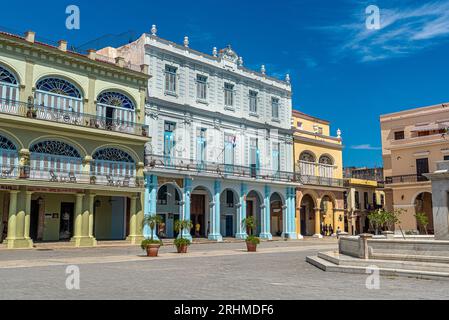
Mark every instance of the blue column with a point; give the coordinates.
(266, 216)
(186, 206)
(290, 231)
(241, 231)
(150, 202)
(216, 215)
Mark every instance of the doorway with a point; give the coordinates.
(34, 219)
(198, 213)
(66, 221)
(229, 226)
(109, 117)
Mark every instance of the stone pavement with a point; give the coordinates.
(209, 271)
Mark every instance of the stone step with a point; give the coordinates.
(410, 257)
(326, 265)
(344, 260)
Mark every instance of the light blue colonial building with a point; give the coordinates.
(222, 146)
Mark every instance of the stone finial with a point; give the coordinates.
(215, 52)
(240, 61)
(186, 42)
(62, 45)
(92, 54)
(287, 78)
(30, 36)
(338, 133)
(153, 30)
(263, 70)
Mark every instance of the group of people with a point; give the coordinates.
(327, 230)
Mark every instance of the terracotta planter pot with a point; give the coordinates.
(153, 250)
(251, 246)
(182, 249)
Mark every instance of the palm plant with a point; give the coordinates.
(249, 223)
(151, 221)
(181, 225)
(423, 220)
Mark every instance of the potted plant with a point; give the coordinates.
(252, 241)
(181, 243)
(151, 245)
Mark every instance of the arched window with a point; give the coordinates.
(113, 163)
(6, 144)
(58, 94)
(54, 160)
(7, 77)
(56, 148)
(117, 108)
(9, 87)
(58, 86)
(9, 158)
(115, 100)
(112, 154)
(307, 156)
(326, 160)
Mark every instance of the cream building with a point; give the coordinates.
(413, 141)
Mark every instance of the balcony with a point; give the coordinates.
(409, 178)
(154, 162)
(73, 118)
(69, 177)
(320, 181)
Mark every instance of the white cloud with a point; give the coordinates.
(404, 30)
(365, 147)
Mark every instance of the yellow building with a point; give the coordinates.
(362, 197)
(319, 165)
(72, 139)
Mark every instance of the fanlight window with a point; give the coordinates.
(56, 148)
(58, 86)
(6, 144)
(7, 77)
(113, 154)
(326, 160)
(307, 156)
(115, 100)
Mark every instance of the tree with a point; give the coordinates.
(384, 220)
(152, 221)
(249, 223)
(423, 220)
(181, 225)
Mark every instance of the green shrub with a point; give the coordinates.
(145, 243)
(182, 242)
(253, 239)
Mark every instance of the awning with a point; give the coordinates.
(430, 127)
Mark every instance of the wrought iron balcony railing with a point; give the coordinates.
(41, 112)
(223, 170)
(69, 177)
(409, 178)
(219, 169)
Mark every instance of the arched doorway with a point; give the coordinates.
(307, 215)
(423, 205)
(117, 110)
(254, 201)
(277, 218)
(229, 200)
(327, 216)
(169, 206)
(200, 199)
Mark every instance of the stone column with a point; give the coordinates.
(27, 222)
(133, 236)
(16, 235)
(78, 221)
(317, 224)
(335, 222)
(186, 207)
(241, 213)
(289, 231)
(364, 248)
(266, 216)
(298, 215)
(215, 234)
(86, 166)
(150, 200)
(91, 215)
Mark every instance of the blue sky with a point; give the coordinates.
(340, 70)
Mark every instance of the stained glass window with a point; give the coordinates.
(7, 77)
(57, 148)
(112, 154)
(307, 156)
(115, 100)
(6, 144)
(58, 86)
(326, 160)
